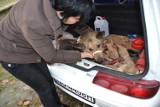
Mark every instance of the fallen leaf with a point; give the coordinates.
(26, 88)
(5, 81)
(41, 105)
(26, 103)
(19, 103)
(12, 82)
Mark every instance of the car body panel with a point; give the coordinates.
(152, 17)
(78, 83)
(81, 82)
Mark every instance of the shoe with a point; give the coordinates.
(63, 105)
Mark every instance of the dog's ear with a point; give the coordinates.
(100, 35)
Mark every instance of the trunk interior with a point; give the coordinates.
(124, 20)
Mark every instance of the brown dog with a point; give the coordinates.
(110, 51)
(106, 51)
(92, 42)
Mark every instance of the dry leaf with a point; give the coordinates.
(12, 82)
(26, 103)
(26, 88)
(19, 103)
(41, 106)
(5, 81)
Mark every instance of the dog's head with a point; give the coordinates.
(91, 42)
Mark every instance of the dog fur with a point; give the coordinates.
(91, 42)
(109, 51)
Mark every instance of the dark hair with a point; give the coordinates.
(83, 8)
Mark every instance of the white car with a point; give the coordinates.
(98, 86)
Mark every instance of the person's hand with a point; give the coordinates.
(86, 55)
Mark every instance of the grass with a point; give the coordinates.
(3, 3)
(4, 75)
(1, 75)
(13, 92)
(5, 7)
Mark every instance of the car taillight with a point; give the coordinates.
(139, 89)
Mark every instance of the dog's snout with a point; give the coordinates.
(99, 60)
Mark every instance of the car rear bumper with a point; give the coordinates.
(79, 84)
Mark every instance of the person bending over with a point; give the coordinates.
(26, 36)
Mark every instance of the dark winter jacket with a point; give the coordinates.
(26, 34)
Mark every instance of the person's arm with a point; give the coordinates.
(42, 44)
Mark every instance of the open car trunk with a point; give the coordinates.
(125, 26)
(100, 85)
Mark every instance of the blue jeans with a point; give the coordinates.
(37, 76)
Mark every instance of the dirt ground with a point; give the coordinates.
(14, 93)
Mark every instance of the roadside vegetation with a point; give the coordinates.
(5, 6)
